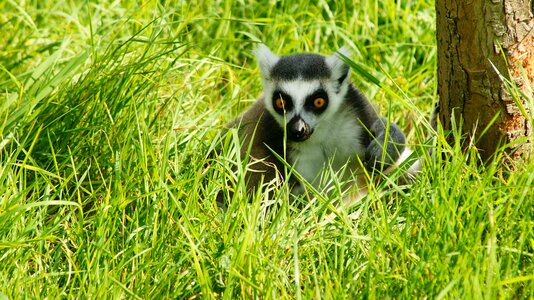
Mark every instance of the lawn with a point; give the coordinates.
(109, 115)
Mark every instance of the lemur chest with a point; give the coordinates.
(333, 148)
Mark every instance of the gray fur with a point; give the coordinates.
(300, 66)
(385, 147)
(257, 128)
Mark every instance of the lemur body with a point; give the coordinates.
(311, 115)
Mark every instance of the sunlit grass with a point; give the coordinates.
(109, 112)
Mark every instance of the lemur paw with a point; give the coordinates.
(382, 153)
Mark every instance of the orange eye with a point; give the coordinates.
(319, 102)
(280, 103)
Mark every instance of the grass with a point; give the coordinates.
(109, 111)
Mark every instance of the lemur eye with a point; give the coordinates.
(280, 103)
(319, 102)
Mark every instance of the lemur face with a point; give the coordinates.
(302, 91)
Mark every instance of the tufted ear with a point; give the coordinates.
(266, 60)
(340, 70)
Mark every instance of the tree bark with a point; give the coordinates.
(477, 40)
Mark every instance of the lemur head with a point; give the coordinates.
(302, 90)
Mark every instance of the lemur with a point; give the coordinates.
(311, 115)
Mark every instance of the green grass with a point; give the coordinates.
(108, 113)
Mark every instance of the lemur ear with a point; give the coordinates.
(266, 60)
(340, 70)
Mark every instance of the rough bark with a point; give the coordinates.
(474, 38)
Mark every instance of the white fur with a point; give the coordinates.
(266, 59)
(335, 141)
(298, 90)
(336, 64)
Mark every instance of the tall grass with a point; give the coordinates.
(109, 111)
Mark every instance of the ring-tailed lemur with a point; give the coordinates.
(312, 115)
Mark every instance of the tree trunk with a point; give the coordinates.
(475, 38)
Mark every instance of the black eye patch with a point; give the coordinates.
(282, 102)
(317, 102)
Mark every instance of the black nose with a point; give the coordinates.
(298, 130)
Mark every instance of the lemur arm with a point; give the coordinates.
(387, 144)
